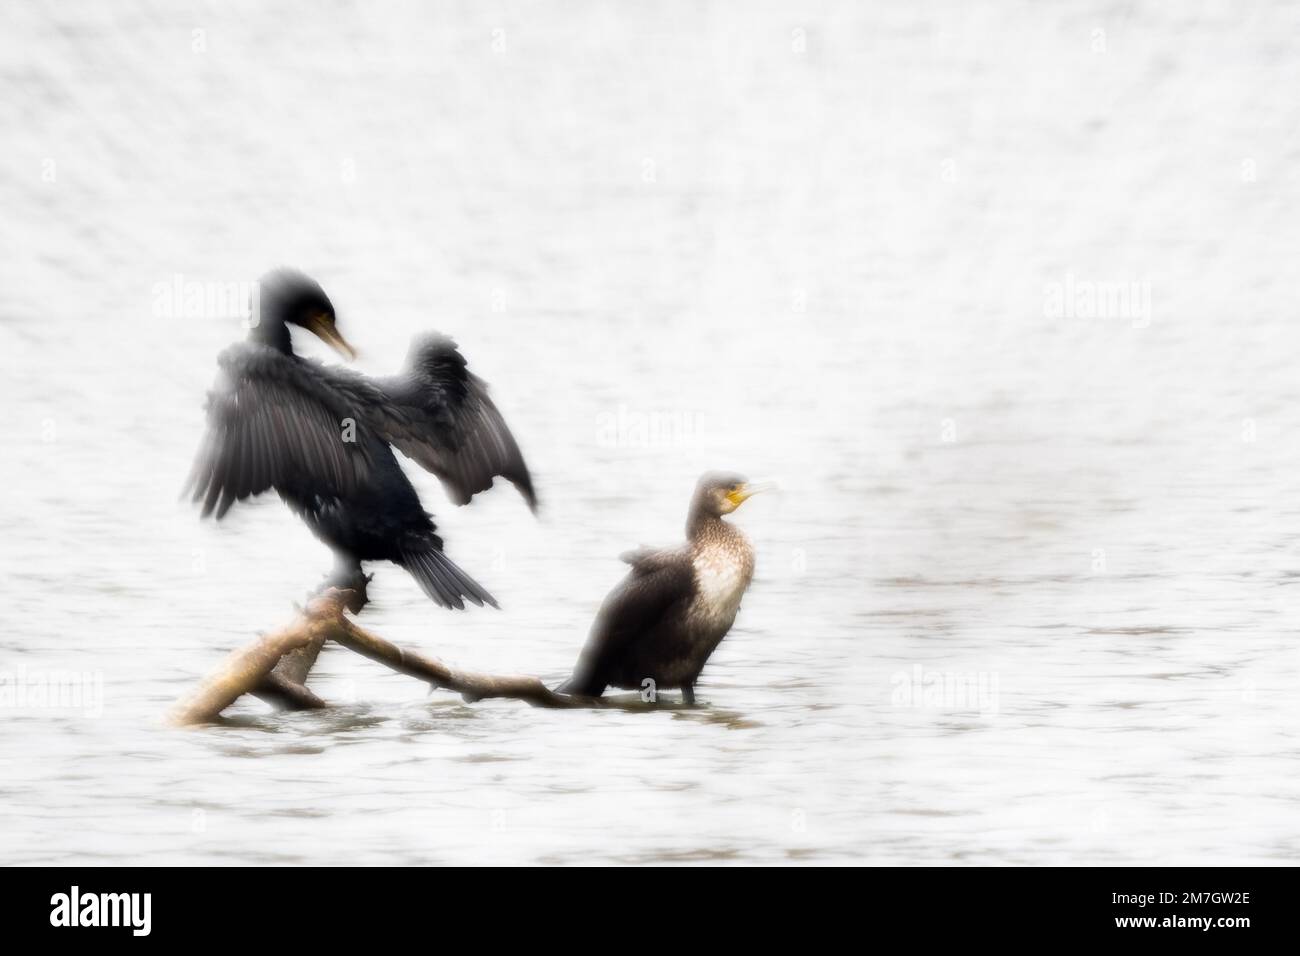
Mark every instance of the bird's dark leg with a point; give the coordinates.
(688, 693)
(348, 576)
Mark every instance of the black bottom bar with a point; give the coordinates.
(253, 907)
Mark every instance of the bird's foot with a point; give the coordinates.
(352, 581)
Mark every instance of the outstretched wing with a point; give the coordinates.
(439, 413)
(658, 582)
(271, 425)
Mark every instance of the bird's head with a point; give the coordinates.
(289, 297)
(720, 493)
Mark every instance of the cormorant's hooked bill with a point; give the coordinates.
(742, 491)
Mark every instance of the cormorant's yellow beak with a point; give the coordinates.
(322, 325)
(742, 493)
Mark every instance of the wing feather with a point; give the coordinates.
(658, 582)
(440, 415)
(273, 423)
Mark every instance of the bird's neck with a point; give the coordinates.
(272, 332)
(703, 524)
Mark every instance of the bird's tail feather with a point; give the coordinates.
(444, 582)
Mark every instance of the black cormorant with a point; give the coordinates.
(320, 436)
(663, 621)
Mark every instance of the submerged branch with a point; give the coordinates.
(249, 669)
(275, 666)
(285, 694)
(469, 685)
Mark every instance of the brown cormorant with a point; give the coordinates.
(321, 435)
(663, 621)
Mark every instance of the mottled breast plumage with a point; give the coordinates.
(723, 565)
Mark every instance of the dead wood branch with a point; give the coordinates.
(284, 694)
(248, 669)
(274, 667)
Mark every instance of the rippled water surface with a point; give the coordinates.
(813, 242)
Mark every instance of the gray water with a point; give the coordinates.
(820, 242)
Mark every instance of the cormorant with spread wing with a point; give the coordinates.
(321, 435)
